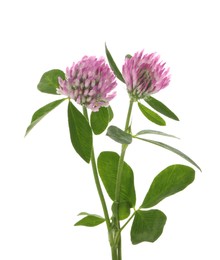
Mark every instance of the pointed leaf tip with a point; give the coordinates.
(142, 132)
(128, 56)
(42, 112)
(170, 148)
(91, 220)
(151, 115)
(161, 108)
(171, 180)
(113, 65)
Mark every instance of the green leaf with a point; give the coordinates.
(119, 135)
(110, 114)
(113, 65)
(80, 133)
(124, 209)
(154, 132)
(108, 166)
(128, 56)
(49, 81)
(99, 120)
(170, 148)
(168, 182)
(91, 220)
(42, 112)
(160, 107)
(151, 115)
(147, 226)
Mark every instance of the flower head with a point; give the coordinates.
(144, 75)
(89, 82)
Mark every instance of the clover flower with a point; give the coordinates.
(144, 75)
(89, 82)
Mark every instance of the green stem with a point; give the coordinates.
(101, 196)
(128, 220)
(99, 189)
(118, 183)
(119, 175)
(114, 253)
(129, 115)
(121, 160)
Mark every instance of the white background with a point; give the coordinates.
(44, 185)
